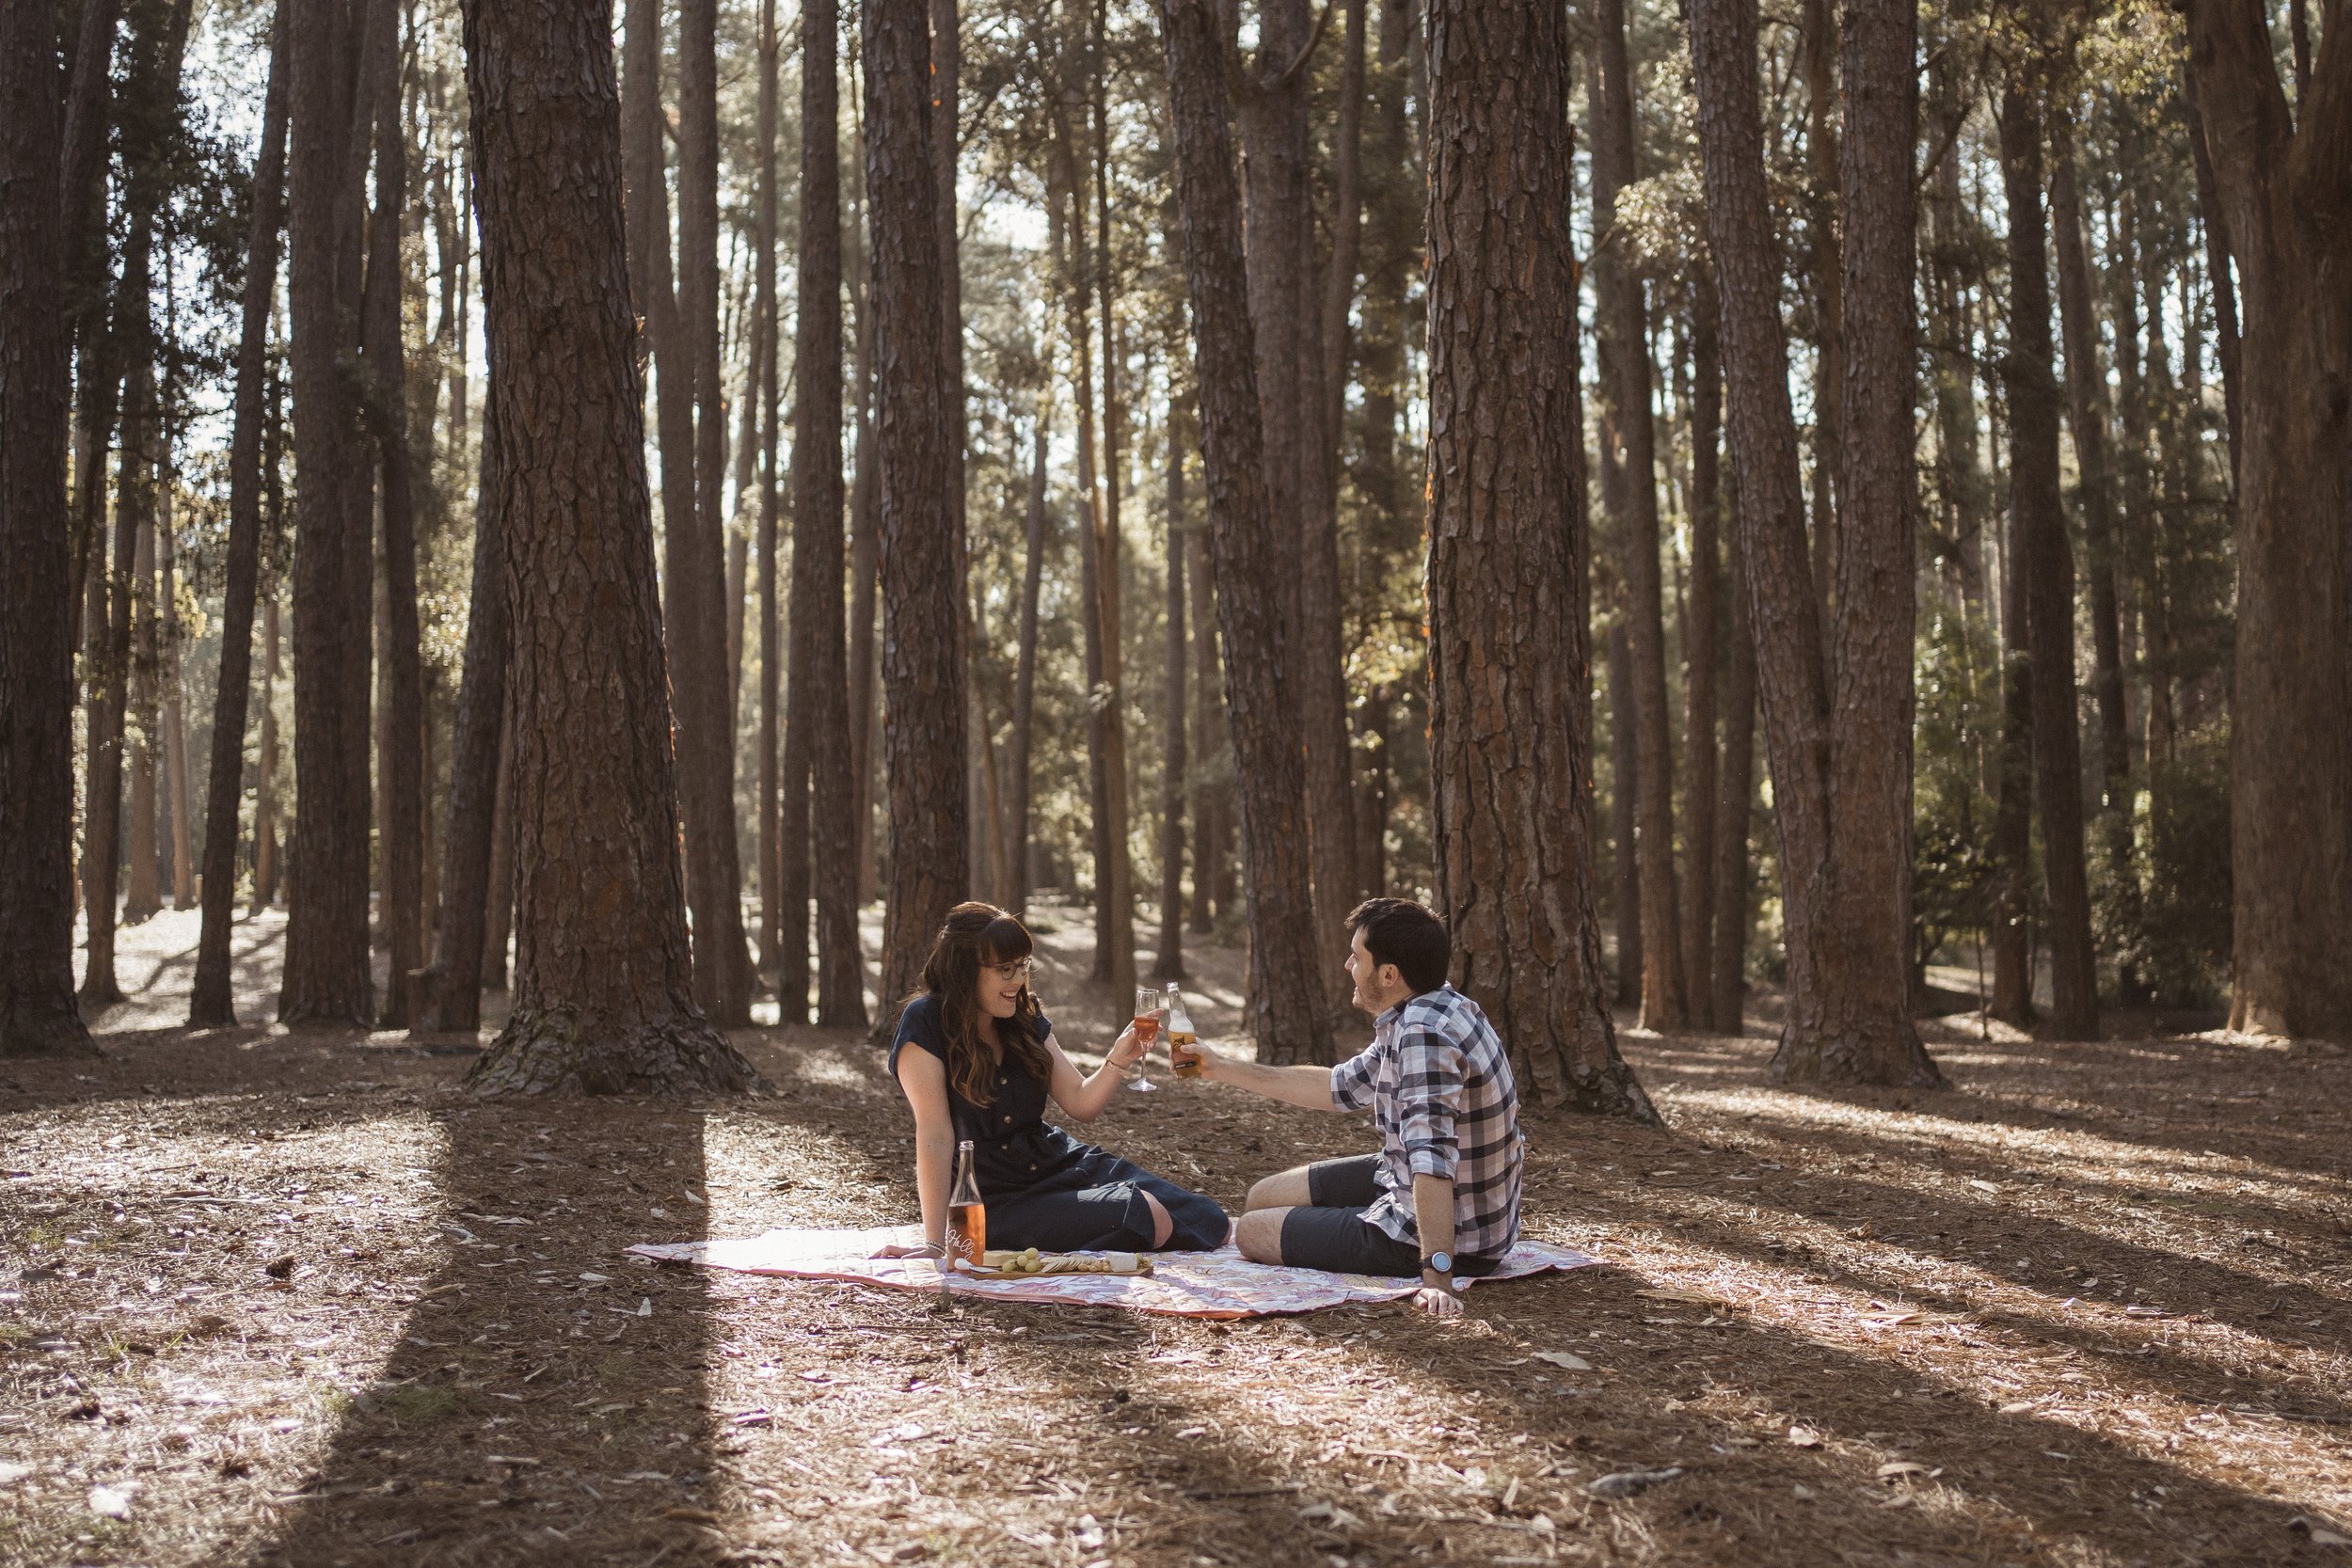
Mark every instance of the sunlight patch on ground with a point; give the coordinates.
(1957, 1353)
(2083, 1156)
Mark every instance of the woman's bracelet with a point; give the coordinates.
(930, 1249)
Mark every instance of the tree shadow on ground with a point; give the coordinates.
(2018, 1483)
(528, 1412)
(2114, 1087)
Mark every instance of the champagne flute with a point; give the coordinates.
(1147, 1026)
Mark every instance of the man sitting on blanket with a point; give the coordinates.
(1441, 1198)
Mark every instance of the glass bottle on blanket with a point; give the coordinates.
(1181, 1038)
(967, 1218)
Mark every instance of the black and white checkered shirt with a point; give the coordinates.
(1438, 1085)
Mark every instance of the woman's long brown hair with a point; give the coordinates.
(977, 936)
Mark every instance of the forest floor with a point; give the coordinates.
(294, 1298)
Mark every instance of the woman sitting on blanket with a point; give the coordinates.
(983, 1061)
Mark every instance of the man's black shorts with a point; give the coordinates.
(1330, 1231)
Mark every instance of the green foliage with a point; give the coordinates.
(2179, 943)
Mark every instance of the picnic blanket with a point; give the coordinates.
(1219, 1284)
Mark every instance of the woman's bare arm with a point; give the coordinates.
(924, 1077)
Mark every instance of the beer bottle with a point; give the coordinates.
(1181, 1038)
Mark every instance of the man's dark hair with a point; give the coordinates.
(1399, 931)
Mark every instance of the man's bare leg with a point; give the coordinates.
(1284, 1189)
(1259, 1234)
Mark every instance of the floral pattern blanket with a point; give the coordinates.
(1219, 1284)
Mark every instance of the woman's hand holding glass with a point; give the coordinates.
(1129, 1048)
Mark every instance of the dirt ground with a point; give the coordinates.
(272, 1298)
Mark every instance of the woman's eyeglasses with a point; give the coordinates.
(1020, 969)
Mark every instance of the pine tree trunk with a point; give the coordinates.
(1701, 630)
(864, 565)
(1067, 229)
(1735, 791)
(603, 993)
(817, 492)
(1170, 963)
(2282, 189)
(922, 546)
(265, 766)
(1627, 426)
(1846, 923)
(2011, 938)
(499, 907)
(2087, 416)
(171, 699)
(1025, 669)
(837, 791)
(400, 768)
(1510, 785)
(1827, 283)
(983, 820)
(1279, 189)
(451, 994)
(82, 257)
(1626, 766)
(1323, 384)
(210, 1005)
(1864, 1003)
(768, 810)
(326, 977)
(1108, 543)
(2048, 568)
(38, 1016)
(1212, 802)
(1287, 1000)
(142, 888)
(705, 732)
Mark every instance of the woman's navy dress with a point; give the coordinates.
(1043, 1188)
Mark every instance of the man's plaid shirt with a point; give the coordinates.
(1437, 1083)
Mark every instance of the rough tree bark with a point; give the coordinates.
(1626, 767)
(1625, 424)
(400, 765)
(1510, 783)
(452, 989)
(1108, 540)
(1170, 963)
(1702, 630)
(1735, 792)
(1073, 250)
(921, 545)
(1212, 865)
(816, 526)
(2011, 892)
(2048, 566)
(141, 484)
(326, 974)
(2283, 181)
(38, 1016)
(767, 810)
(1287, 1004)
(209, 1004)
(83, 262)
(1837, 716)
(1024, 666)
(2087, 417)
(1322, 679)
(700, 686)
(603, 993)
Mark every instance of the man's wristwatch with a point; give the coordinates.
(1437, 1273)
